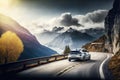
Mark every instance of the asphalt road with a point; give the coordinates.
(71, 70)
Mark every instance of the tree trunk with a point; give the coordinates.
(6, 60)
(6, 57)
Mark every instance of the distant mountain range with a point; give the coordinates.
(32, 48)
(47, 36)
(73, 38)
(95, 32)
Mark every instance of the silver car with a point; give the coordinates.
(79, 55)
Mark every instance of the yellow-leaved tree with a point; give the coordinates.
(11, 47)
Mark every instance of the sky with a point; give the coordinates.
(50, 13)
(52, 8)
(75, 6)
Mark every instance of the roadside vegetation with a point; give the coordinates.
(11, 47)
(114, 66)
(67, 50)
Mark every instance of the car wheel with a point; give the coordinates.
(89, 59)
(69, 59)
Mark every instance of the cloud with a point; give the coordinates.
(96, 16)
(93, 19)
(66, 19)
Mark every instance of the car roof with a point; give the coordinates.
(75, 51)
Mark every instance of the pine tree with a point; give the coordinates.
(67, 50)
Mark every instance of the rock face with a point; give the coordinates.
(32, 48)
(97, 45)
(112, 27)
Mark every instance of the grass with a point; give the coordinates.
(114, 66)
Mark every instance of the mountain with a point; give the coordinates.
(95, 32)
(46, 36)
(32, 48)
(111, 40)
(97, 45)
(71, 37)
(57, 39)
(112, 27)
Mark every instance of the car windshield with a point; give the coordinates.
(74, 52)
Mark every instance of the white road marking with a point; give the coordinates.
(101, 68)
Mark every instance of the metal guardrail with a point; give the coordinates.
(25, 64)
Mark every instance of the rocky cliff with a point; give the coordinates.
(32, 48)
(112, 31)
(112, 27)
(97, 45)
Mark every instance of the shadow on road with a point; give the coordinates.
(87, 61)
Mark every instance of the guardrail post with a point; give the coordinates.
(47, 60)
(24, 66)
(64, 56)
(55, 58)
(38, 62)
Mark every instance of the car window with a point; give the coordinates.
(74, 52)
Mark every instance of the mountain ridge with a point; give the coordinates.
(32, 48)
(71, 37)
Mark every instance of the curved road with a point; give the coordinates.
(70, 70)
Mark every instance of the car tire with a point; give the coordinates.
(69, 60)
(89, 59)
